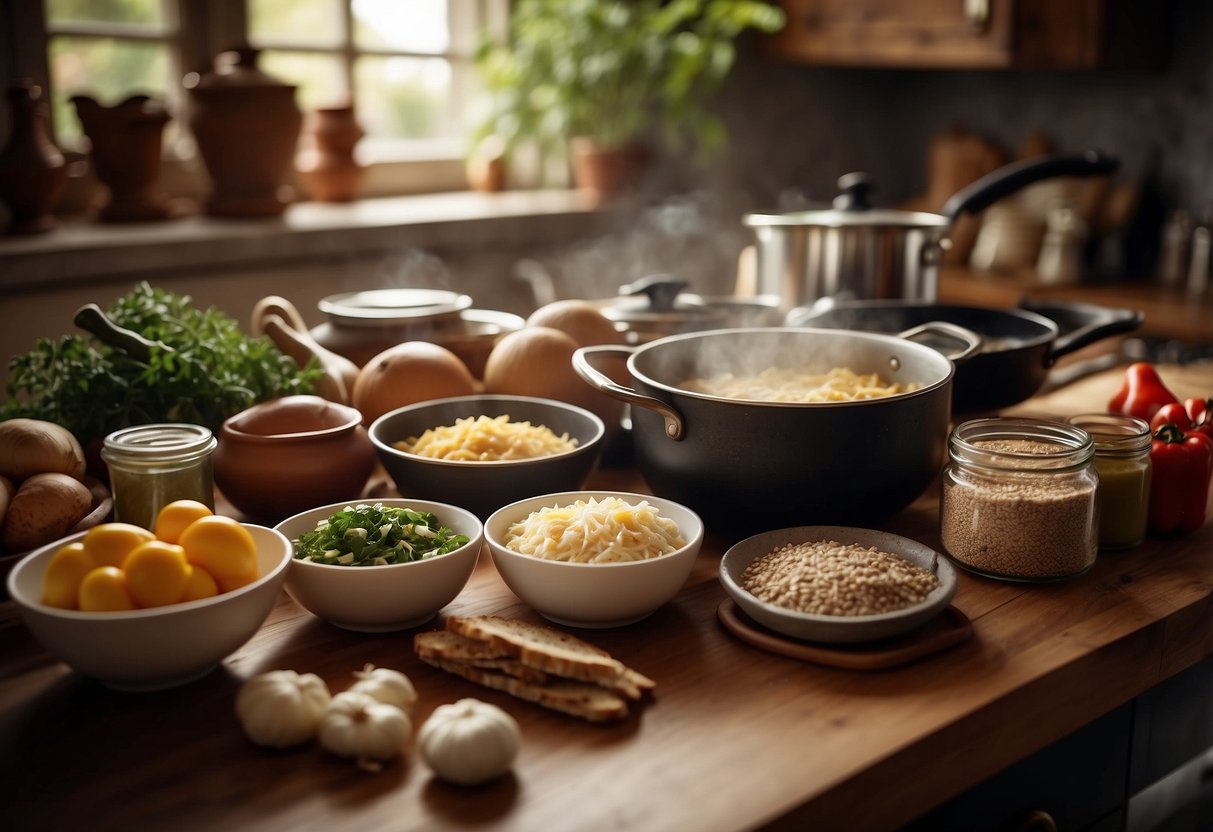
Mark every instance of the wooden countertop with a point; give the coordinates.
(734, 738)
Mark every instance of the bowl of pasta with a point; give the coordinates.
(484, 451)
(594, 558)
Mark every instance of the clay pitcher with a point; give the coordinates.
(125, 142)
(246, 124)
(326, 165)
(33, 171)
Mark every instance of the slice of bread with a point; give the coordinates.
(587, 701)
(448, 646)
(552, 651)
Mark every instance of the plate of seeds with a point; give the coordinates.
(837, 584)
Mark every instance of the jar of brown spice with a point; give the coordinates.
(1019, 499)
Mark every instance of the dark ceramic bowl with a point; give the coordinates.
(484, 487)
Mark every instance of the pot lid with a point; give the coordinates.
(388, 306)
(235, 69)
(657, 301)
(852, 209)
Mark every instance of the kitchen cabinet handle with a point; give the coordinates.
(977, 13)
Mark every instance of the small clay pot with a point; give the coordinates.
(286, 455)
(125, 144)
(326, 165)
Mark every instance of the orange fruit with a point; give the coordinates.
(67, 568)
(221, 546)
(173, 519)
(199, 584)
(156, 573)
(104, 590)
(110, 543)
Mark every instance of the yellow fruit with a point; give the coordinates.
(174, 517)
(67, 568)
(110, 543)
(237, 581)
(199, 584)
(104, 590)
(156, 573)
(221, 546)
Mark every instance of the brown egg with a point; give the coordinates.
(415, 371)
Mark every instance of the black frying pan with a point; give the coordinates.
(1020, 345)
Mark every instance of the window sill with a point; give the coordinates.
(82, 251)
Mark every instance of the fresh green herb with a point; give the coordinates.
(376, 535)
(211, 371)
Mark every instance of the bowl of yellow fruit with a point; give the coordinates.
(142, 609)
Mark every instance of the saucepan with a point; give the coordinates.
(859, 252)
(1018, 345)
(748, 465)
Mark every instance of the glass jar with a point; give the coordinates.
(1019, 499)
(1122, 458)
(152, 465)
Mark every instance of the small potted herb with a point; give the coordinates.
(597, 78)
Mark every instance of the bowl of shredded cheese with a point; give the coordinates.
(594, 558)
(482, 452)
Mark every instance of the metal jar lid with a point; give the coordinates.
(158, 444)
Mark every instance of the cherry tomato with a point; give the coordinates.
(104, 590)
(110, 543)
(176, 516)
(67, 568)
(156, 573)
(221, 546)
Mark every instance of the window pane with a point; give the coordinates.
(315, 22)
(106, 69)
(103, 11)
(319, 77)
(406, 97)
(418, 26)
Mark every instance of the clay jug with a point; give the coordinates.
(32, 170)
(246, 124)
(125, 142)
(326, 165)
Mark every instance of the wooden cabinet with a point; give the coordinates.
(975, 34)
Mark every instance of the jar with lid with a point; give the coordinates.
(1122, 458)
(150, 466)
(1019, 499)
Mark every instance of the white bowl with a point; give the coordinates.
(379, 599)
(593, 595)
(837, 629)
(153, 648)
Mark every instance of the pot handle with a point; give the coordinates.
(601, 382)
(1010, 178)
(1086, 323)
(949, 331)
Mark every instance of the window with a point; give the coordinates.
(407, 65)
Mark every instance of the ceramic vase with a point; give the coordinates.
(326, 165)
(247, 126)
(125, 142)
(606, 171)
(33, 171)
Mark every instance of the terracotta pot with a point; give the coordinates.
(125, 148)
(247, 125)
(33, 171)
(327, 165)
(606, 171)
(287, 455)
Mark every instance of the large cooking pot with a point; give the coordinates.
(747, 466)
(857, 252)
(1018, 345)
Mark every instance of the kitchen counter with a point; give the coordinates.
(734, 737)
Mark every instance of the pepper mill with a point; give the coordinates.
(33, 171)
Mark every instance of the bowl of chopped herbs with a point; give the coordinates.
(380, 565)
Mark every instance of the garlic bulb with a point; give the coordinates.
(359, 726)
(281, 708)
(469, 742)
(391, 687)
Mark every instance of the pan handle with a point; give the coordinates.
(1086, 322)
(949, 331)
(599, 380)
(1010, 178)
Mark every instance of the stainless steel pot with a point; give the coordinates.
(746, 466)
(857, 252)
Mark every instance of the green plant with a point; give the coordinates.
(615, 69)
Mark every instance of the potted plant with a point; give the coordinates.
(598, 79)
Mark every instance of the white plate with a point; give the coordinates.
(834, 628)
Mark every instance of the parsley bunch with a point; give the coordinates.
(213, 371)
